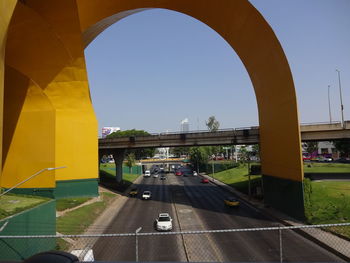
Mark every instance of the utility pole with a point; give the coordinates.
(329, 106)
(341, 101)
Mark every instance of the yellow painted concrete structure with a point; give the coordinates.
(47, 111)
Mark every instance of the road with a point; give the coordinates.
(197, 206)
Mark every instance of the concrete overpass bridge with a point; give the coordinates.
(118, 146)
(309, 132)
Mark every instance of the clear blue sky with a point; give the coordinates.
(153, 69)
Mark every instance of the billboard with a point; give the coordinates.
(108, 130)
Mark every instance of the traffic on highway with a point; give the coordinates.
(174, 202)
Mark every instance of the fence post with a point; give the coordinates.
(137, 244)
(281, 247)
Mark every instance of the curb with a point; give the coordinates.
(269, 214)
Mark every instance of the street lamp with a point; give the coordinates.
(32, 176)
(341, 100)
(329, 107)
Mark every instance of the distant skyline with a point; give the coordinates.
(153, 69)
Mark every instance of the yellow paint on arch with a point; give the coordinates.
(45, 46)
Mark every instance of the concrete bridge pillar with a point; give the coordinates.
(118, 156)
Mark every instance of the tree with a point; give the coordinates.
(343, 147)
(311, 147)
(212, 124)
(198, 157)
(178, 151)
(130, 161)
(138, 153)
(127, 133)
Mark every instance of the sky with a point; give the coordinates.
(153, 69)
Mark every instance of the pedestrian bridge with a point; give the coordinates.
(309, 132)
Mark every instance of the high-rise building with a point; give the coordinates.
(185, 125)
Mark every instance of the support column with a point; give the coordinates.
(118, 155)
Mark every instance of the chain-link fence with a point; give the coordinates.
(317, 243)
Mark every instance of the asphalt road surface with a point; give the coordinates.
(197, 206)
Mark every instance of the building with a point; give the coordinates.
(108, 130)
(185, 125)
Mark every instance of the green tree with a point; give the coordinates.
(212, 124)
(256, 150)
(311, 147)
(130, 161)
(178, 151)
(138, 153)
(127, 133)
(198, 157)
(244, 154)
(343, 147)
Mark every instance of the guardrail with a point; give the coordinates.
(230, 129)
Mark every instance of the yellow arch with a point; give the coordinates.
(55, 34)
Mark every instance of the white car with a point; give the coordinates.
(155, 175)
(147, 173)
(146, 195)
(164, 222)
(195, 173)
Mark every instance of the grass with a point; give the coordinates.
(11, 204)
(77, 221)
(67, 203)
(326, 167)
(328, 202)
(107, 178)
(238, 178)
(62, 245)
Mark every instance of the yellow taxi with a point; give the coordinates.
(133, 192)
(231, 201)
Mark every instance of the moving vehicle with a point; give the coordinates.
(205, 181)
(133, 192)
(164, 222)
(178, 173)
(147, 173)
(231, 201)
(146, 195)
(162, 177)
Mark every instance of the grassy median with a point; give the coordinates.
(78, 220)
(11, 204)
(107, 178)
(311, 167)
(66, 203)
(238, 178)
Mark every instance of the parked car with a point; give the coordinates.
(231, 201)
(164, 222)
(133, 192)
(162, 177)
(178, 173)
(146, 195)
(155, 175)
(205, 181)
(195, 173)
(147, 173)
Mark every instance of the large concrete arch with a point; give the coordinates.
(45, 46)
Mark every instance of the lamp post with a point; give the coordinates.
(329, 106)
(341, 100)
(32, 176)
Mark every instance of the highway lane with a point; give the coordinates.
(199, 206)
(142, 213)
(207, 201)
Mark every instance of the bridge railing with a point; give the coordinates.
(303, 243)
